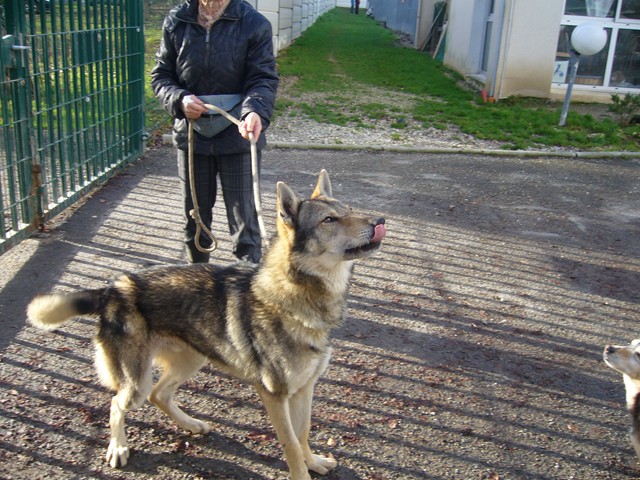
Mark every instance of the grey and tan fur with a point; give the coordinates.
(626, 360)
(268, 326)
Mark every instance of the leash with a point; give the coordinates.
(195, 212)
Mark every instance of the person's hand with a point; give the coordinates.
(251, 123)
(193, 107)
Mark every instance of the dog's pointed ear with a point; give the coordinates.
(323, 187)
(288, 203)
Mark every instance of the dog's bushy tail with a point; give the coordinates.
(50, 310)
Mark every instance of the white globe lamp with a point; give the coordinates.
(587, 39)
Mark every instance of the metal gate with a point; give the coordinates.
(71, 103)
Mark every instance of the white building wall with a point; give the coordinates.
(529, 44)
(285, 36)
(290, 18)
(270, 9)
(297, 19)
(459, 39)
(304, 20)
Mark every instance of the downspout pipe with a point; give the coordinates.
(505, 50)
(418, 22)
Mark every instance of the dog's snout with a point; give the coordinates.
(609, 349)
(379, 221)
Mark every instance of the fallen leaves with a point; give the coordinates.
(261, 437)
(393, 423)
(343, 419)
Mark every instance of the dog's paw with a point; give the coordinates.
(197, 426)
(117, 454)
(322, 465)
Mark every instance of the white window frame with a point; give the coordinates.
(613, 24)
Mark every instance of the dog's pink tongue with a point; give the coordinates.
(378, 233)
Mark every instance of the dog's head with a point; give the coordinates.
(325, 228)
(624, 359)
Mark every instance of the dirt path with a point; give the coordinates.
(472, 347)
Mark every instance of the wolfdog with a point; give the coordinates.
(626, 360)
(267, 325)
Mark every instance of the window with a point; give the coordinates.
(488, 32)
(617, 65)
(590, 8)
(626, 61)
(630, 10)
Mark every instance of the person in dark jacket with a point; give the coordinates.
(220, 52)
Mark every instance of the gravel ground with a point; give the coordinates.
(292, 127)
(471, 349)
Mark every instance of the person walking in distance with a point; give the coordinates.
(218, 52)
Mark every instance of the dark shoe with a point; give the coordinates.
(196, 256)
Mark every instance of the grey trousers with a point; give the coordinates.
(237, 192)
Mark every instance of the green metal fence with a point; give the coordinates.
(71, 103)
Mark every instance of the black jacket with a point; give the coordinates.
(234, 56)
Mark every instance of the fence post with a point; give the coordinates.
(19, 151)
(135, 74)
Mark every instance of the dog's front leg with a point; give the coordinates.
(278, 410)
(300, 411)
